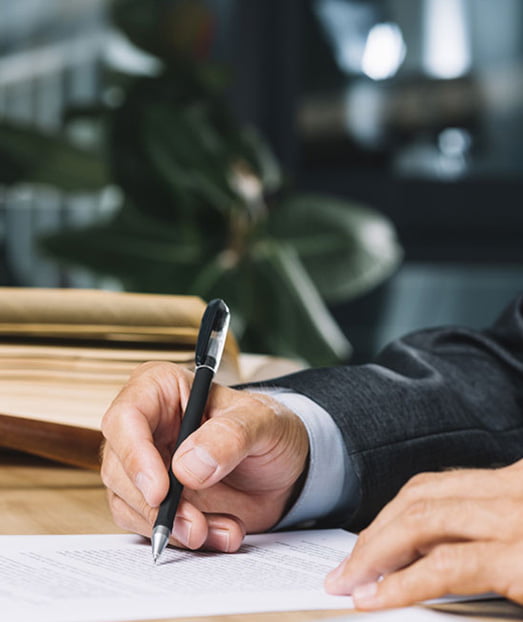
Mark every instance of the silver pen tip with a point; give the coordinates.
(159, 540)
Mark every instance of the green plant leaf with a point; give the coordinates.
(288, 311)
(261, 158)
(347, 249)
(174, 30)
(176, 150)
(30, 155)
(149, 264)
(175, 233)
(190, 155)
(275, 307)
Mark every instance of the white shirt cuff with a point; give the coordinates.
(331, 484)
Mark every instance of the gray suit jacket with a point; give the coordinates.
(439, 398)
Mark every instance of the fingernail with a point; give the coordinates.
(199, 463)
(182, 530)
(219, 539)
(334, 574)
(144, 485)
(366, 595)
(333, 584)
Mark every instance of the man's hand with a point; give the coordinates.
(458, 532)
(239, 469)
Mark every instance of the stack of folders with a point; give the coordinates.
(65, 354)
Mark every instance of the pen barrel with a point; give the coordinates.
(196, 404)
(168, 507)
(190, 422)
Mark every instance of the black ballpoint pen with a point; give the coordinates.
(209, 349)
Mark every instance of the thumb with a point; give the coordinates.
(212, 452)
(250, 425)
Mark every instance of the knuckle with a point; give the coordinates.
(515, 593)
(122, 519)
(403, 583)
(264, 411)
(129, 461)
(513, 588)
(156, 378)
(151, 368)
(116, 507)
(160, 374)
(259, 402)
(508, 579)
(152, 376)
(511, 468)
(127, 518)
(509, 511)
(103, 448)
(147, 512)
(363, 537)
(236, 428)
(105, 451)
(108, 469)
(417, 512)
(418, 482)
(445, 559)
(106, 422)
(105, 473)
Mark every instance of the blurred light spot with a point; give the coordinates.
(121, 54)
(365, 113)
(377, 235)
(384, 51)
(447, 51)
(347, 25)
(111, 200)
(113, 96)
(454, 141)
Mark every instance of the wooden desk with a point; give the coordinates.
(41, 497)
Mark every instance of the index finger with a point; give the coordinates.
(415, 533)
(459, 483)
(140, 425)
(466, 568)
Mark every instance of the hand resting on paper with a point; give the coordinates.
(458, 532)
(239, 469)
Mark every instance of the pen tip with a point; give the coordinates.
(159, 539)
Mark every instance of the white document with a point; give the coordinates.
(110, 578)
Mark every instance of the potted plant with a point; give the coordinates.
(206, 209)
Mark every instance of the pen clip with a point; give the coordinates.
(212, 334)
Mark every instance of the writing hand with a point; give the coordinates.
(239, 468)
(458, 532)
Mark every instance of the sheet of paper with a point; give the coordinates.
(109, 578)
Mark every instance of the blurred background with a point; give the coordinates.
(411, 108)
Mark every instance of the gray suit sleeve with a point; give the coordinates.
(439, 398)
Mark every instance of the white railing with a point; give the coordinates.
(36, 85)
